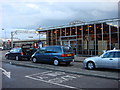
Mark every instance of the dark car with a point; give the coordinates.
(24, 52)
(54, 54)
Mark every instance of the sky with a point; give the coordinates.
(32, 14)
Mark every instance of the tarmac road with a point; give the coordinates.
(26, 77)
(26, 74)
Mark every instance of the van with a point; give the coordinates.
(54, 54)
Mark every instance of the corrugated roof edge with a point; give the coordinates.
(85, 23)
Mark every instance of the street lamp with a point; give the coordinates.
(11, 39)
(39, 42)
(39, 32)
(12, 34)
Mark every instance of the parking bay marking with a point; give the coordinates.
(53, 77)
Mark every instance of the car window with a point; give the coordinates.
(117, 55)
(49, 50)
(67, 49)
(12, 50)
(42, 50)
(109, 55)
(57, 49)
(15, 50)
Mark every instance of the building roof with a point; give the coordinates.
(84, 23)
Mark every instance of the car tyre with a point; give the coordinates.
(90, 65)
(34, 60)
(56, 62)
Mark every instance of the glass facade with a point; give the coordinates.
(87, 39)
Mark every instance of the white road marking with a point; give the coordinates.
(40, 73)
(51, 82)
(53, 77)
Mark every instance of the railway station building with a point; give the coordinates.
(86, 38)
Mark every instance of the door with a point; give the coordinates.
(73, 45)
(40, 55)
(14, 52)
(108, 60)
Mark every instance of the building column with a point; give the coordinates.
(95, 39)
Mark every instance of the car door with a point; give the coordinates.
(11, 53)
(14, 52)
(117, 56)
(48, 54)
(40, 55)
(108, 60)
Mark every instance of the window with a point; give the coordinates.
(15, 50)
(57, 50)
(67, 49)
(49, 49)
(109, 55)
(117, 55)
(12, 50)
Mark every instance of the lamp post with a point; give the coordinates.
(5, 42)
(11, 39)
(39, 42)
(12, 34)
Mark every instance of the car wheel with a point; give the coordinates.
(90, 65)
(7, 57)
(34, 60)
(17, 58)
(56, 62)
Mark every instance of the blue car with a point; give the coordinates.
(20, 53)
(54, 54)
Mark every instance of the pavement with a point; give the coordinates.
(74, 68)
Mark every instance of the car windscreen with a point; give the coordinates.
(67, 49)
(15, 50)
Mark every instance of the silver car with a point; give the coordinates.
(109, 59)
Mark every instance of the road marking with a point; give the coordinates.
(54, 77)
(8, 74)
(51, 82)
(40, 73)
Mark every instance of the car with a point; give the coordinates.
(109, 59)
(20, 53)
(54, 54)
(1, 48)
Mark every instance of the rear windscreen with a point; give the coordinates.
(67, 49)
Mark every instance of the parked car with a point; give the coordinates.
(54, 54)
(25, 52)
(109, 59)
(1, 48)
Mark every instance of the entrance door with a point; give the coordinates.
(73, 44)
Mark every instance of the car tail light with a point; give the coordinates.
(22, 53)
(64, 55)
(72, 54)
(67, 55)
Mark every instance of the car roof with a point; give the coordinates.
(113, 50)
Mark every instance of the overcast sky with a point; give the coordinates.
(32, 14)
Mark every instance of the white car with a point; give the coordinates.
(109, 59)
(1, 48)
